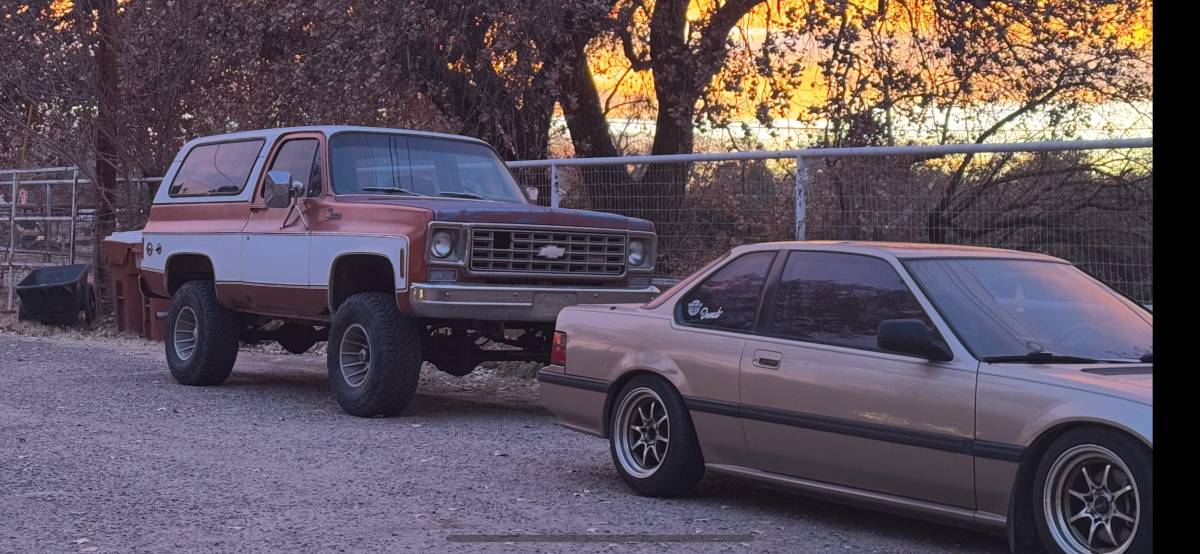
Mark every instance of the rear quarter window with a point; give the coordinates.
(220, 169)
(729, 298)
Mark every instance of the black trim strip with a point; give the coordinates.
(886, 433)
(997, 450)
(1121, 370)
(574, 381)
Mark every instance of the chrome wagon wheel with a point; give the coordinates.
(642, 432)
(355, 355)
(186, 333)
(1091, 501)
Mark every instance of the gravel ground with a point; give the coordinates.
(101, 451)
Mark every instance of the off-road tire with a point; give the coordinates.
(216, 342)
(394, 365)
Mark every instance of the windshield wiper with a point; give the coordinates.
(394, 190)
(462, 195)
(1040, 357)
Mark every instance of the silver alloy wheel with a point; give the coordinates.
(186, 333)
(1091, 501)
(642, 432)
(354, 355)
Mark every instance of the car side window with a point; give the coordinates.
(220, 169)
(299, 158)
(729, 298)
(840, 299)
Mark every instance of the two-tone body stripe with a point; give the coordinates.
(874, 431)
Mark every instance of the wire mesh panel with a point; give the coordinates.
(1093, 208)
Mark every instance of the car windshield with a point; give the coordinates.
(411, 165)
(1007, 307)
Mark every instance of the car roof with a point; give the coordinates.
(901, 250)
(328, 130)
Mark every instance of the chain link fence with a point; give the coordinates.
(1090, 202)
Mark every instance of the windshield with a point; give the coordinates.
(409, 165)
(1015, 307)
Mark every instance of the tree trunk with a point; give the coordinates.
(106, 152)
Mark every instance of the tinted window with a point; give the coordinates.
(729, 298)
(216, 169)
(840, 299)
(373, 162)
(299, 158)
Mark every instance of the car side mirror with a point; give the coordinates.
(531, 193)
(278, 190)
(911, 336)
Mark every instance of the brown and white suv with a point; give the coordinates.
(397, 247)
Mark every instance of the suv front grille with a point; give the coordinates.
(547, 251)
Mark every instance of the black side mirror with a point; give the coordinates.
(911, 336)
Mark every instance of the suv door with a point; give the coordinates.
(276, 241)
(821, 401)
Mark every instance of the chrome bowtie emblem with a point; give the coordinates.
(551, 252)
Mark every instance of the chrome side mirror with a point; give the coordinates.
(532, 194)
(278, 189)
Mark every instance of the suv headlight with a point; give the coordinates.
(441, 245)
(637, 252)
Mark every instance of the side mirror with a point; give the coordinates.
(911, 336)
(531, 193)
(278, 189)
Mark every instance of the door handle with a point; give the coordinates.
(767, 359)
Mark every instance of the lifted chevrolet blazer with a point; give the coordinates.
(397, 247)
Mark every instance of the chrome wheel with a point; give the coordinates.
(642, 432)
(1091, 501)
(186, 333)
(355, 355)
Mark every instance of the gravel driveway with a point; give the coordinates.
(101, 451)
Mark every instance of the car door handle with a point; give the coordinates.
(767, 359)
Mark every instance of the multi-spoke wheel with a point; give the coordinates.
(653, 444)
(202, 335)
(374, 355)
(1094, 490)
(643, 444)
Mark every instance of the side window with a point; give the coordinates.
(299, 158)
(729, 298)
(220, 169)
(840, 299)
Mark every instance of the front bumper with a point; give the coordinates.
(513, 302)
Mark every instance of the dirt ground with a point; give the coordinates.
(101, 451)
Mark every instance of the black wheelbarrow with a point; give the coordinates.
(55, 295)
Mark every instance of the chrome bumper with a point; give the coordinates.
(513, 302)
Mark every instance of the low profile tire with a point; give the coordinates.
(374, 356)
(201, 335)
(652, 441)
(1094, 494)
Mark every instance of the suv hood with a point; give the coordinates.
(485, 211)
(1129, 381)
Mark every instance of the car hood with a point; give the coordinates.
(484, 211)
(1129, 381)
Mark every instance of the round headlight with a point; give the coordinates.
(637, 252)
(442, 244)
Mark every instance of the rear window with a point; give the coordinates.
(220, 169)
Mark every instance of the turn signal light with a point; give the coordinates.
(558, 349)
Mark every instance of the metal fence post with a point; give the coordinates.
(553, 186)
(801, 197)
(74, 211)
(12, 241)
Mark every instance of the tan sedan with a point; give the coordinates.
(998, 389)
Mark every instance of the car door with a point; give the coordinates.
(276, 241)
(711, 323)
(821, 401)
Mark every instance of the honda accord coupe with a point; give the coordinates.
(998, 389)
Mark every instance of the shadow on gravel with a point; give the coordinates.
(728, 491)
